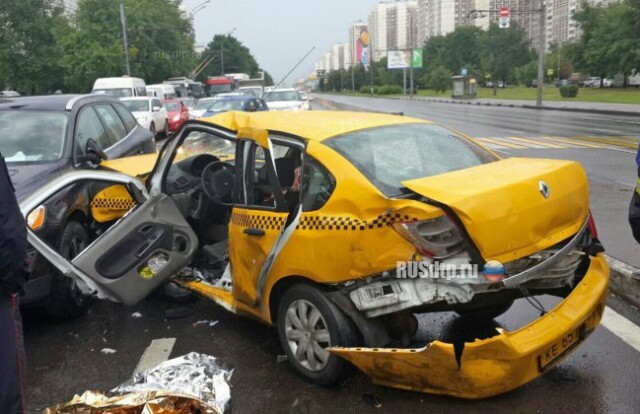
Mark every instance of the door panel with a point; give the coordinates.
(136, 255)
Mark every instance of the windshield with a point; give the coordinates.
(171, 106)
(215, 89)
(283, 96)
(390, 155)
(32, 136)
(137, 106)
(117, 92)
(204, 103)
(227, 105)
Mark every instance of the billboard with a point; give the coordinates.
(403, 59)
(363, 55)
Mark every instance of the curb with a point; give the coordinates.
(526, 106)
(622, 284)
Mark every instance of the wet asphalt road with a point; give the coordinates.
(602, 376)
(64, 358)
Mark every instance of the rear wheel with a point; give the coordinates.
(308, 323)
(66, 301)
(152, 128)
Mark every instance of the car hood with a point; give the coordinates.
(27, 178)
(503, 208)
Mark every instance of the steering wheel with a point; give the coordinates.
(217, 182)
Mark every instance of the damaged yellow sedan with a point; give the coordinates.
(340, 227)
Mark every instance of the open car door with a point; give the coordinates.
(261, 221)
(132, 250)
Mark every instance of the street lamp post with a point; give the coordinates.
(199, 7)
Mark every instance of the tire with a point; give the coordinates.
(332, 328)
(65, 299)
(152, 128)
(165, 132)
(486, 313)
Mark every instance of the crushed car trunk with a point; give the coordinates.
(514, 207)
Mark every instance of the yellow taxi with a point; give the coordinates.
(339, 228)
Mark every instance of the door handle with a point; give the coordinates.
(254, 232)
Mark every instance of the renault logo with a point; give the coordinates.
(544, 189)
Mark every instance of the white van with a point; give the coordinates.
(161, 91)
(123, 87)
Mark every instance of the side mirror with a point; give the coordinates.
(156, 108)
(92, 153)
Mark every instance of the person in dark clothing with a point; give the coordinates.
(13, 252)
(634, 208)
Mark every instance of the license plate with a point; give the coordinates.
(560, 348)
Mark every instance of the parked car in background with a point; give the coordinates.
(162, 91)
(150, 113)
(589, 83)
(563, 82)
(532, 83)
(44, 137)
(201, 107)
(122, 87)
(9, 94)
(602, 82)
(178, 113)
(236, 103)
(286, 99)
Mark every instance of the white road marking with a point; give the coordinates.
(628, 185)
(513, 131)
(622, 327)
(157, 352)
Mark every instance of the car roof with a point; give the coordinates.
(52, 102)
(310, 125)
(138, 98)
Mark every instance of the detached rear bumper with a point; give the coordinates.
(498, 364)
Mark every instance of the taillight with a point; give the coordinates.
(592, 226)
(437, 238)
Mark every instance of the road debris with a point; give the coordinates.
(205, 322)
(371, 400)
(108, 351)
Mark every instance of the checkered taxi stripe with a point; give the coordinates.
(317, 222)
(113, 203)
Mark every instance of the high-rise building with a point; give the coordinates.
(338, 52)
(561, 27)
(393, 26)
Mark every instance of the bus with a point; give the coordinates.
(186, 87)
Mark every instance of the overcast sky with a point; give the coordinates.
(280, 32)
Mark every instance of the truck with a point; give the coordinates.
(220, 84)
(634, 79)
(253, 86)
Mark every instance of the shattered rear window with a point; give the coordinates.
(392, 154)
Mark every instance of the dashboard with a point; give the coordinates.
(187, 174)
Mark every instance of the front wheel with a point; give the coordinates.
(165, 132)
(66, 301)
(152, 128)
(308, 323)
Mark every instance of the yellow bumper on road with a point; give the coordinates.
(498, 364)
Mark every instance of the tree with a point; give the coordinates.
(29, 47)
(439, 79)
(228, 55)
(503, 50)
(160, 42)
